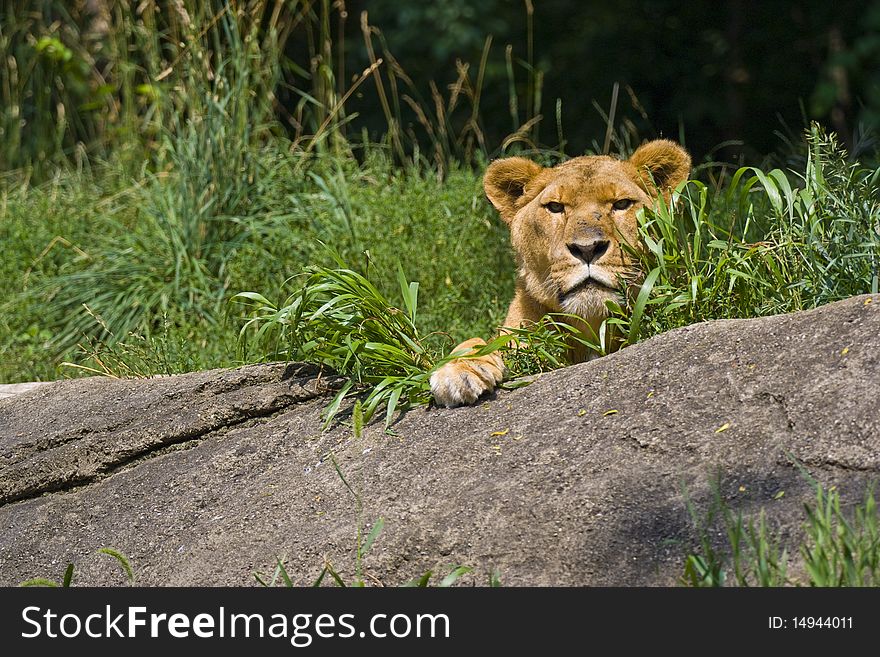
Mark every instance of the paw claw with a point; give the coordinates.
(463, 381)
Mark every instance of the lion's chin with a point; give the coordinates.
(588, 302)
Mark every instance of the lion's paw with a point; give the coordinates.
(463, 381)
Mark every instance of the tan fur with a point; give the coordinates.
(570, 261)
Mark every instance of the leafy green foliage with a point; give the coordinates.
(188, 224)
(340, 319)
(757, 559)
(62, 232)
(759, 246)
(85, 77)
(107, 82)
(544, 346)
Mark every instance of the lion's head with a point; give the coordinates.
(568, 224)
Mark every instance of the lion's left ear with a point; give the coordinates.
(662, 165)
(505, 183)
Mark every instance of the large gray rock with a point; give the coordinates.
(12, 389)
(205, 478)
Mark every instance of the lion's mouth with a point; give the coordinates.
(588, 283)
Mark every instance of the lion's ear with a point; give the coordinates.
(506, 180)
(662, 165)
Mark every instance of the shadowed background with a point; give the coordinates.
(722, 77)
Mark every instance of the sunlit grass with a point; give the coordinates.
(839, 548)
(339, 319)
(767, 243)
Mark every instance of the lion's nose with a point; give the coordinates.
(589, 251)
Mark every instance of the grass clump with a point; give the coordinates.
(198, 197)
(338, 318)
(842, 550)
(756, 558)
(839, 549)
(760, 245)
(94, 247)
(67, 577)
(165, 352)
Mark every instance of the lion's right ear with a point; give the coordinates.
(506, 180)
(662, 166)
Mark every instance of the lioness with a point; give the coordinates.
(567, 224)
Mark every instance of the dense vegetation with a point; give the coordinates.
(134, 211)
(191, 192)
(159, 160)
(725, 77)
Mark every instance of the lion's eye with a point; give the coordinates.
(623, 204)
(555, 206)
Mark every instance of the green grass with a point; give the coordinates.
(106, 251)
(762, 244)
(339, 319)
(144, 180)
(67, 578)
(842, 549)
(839, 548)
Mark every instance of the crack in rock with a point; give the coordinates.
(120, 422)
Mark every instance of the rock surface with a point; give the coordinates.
(12, 389)
(576, 479)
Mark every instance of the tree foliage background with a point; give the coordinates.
(706, 72)
(727, 77)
